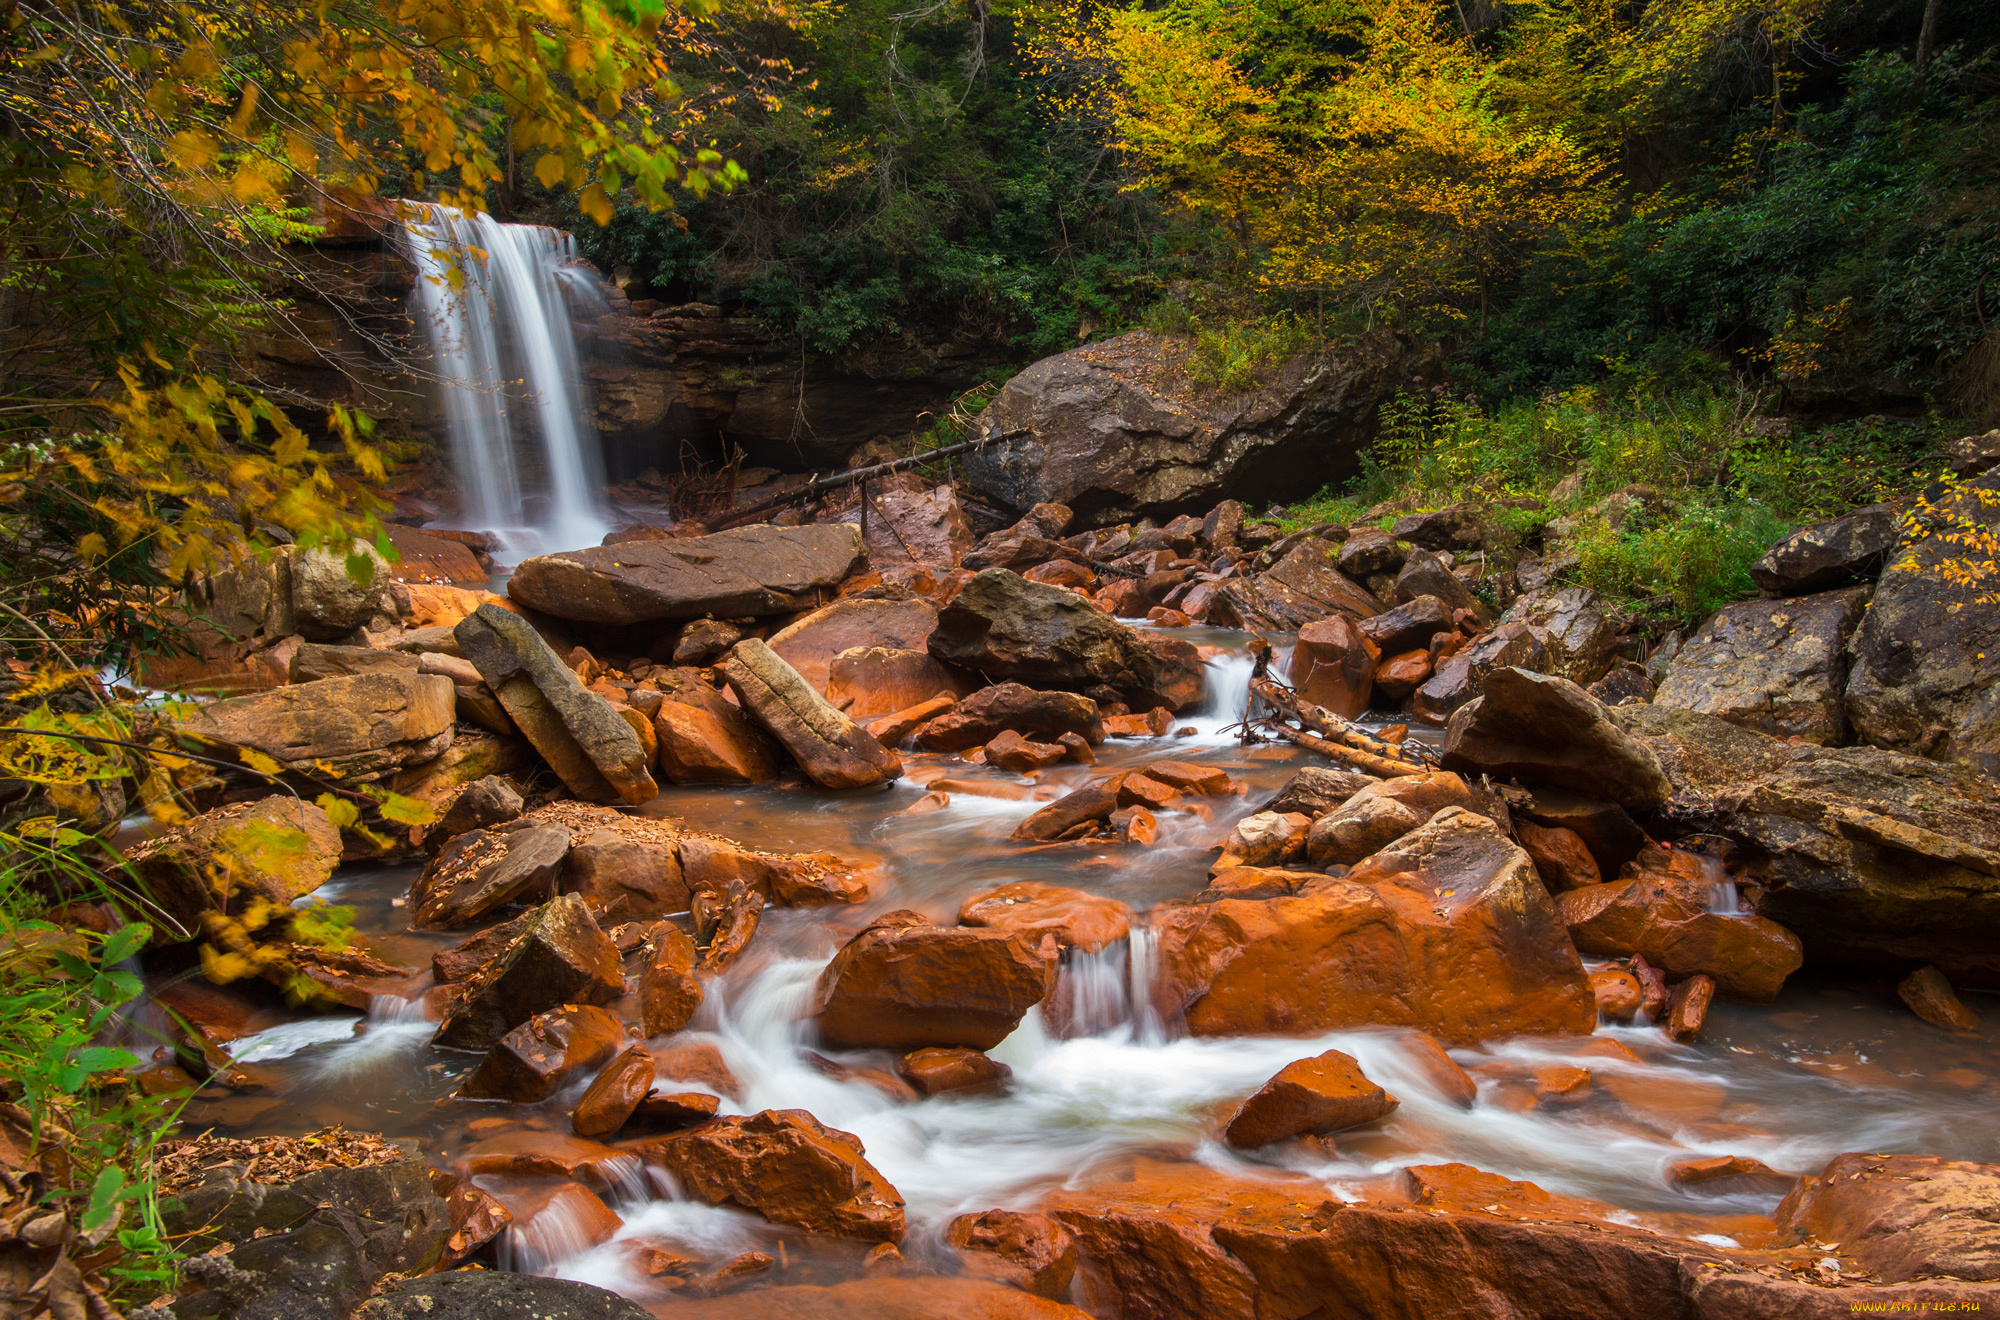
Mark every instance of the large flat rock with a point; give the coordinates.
(741, 572)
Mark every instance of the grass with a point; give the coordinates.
(1726, 489)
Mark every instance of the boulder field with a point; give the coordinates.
(673, 1037)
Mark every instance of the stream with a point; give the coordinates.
(1830, 1067)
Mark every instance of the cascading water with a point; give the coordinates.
(494, 301)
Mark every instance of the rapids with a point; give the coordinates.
(1831, 1067)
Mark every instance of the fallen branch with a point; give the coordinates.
(1366, 762)
(817, 486)
(1325, 722)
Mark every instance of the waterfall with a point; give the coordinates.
(492, 302)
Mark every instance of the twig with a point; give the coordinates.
(818, 485)
(1380, 767)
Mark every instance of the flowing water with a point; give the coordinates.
(1831, 1067)
(494, 304)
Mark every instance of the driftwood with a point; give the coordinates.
(1325, 723)
(818, 486)
(1366, 762)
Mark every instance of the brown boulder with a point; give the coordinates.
(1458, 674)
(784, 1165)
(362, 727)
(1383, 812)
(1333, 665)
(1561, 858)
(1265, 838)
(1545, 730)
(669, 992)
(1619, 994)
(1400, 675)
(936, 1071)
(833, 750)
(897, 728)
(1028, 1251)
(483, 870)
(1316, 790)
(1091, 802)
(747, 571)
(1448, 930)
(1006, 707)
(1902, 1216)
(903, 984)
(608, 1103)
(627, 869)
(1011, 752)
(1930, 996)
(1408, 627)
(1302, 586)
(588, 744)
(1749, 957)
(278, 848)
(531, 1062)
(1318, 1095)
(559, 957)
(916, 527)
(868, 682)
(810, 645)
(705, 742)
(1777, 666)
(1032, 909)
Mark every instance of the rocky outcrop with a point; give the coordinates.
(1005, 627)
(1096, 430)
(558, 957)
(1903, 1216)
(1545, 730)
(904, 984)
(1877, 860)
(1926, 671)
(361, 727)
(786, 1166)
(1849, 548)
(1448, 930)
(586, 742)
(833, 750)
(1776, 666)
(1749, 957)
(1579, 636)
(1078, 920)
(742, 572)
(278, 849)
(1302, 586)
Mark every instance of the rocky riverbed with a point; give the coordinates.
(810, 930)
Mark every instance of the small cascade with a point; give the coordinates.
(494, 304)
(1110, 991)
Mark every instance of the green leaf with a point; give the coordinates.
(122, 943)
(105, 1196)
(103, 1058)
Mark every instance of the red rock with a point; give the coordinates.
(1092, 802)
(669, 992)
(832, 749)
(1010, 751)
(1333, 665)
(935, 1071)
(1749, 957)
(787, 1167)
(1652, 988)
(483, 870)
(871, 682)
(1929, 995)
(926, 804)
(1267, 838)
(1251, 882)
(923, 1298)
(1381, 813)
(1077, 748)
(1902, 1216)
(1619, 994)
(614, 1094)
(1061, 573)
(1400, 675)
(674, 1109)
(700, 744)
(1564, 1082)
(551, 1223)
(548, 1155)
(993, 710)
(1135, 825)
(698, 1062)
(904, 983)
(533, 1061)
(724, 923)
(559, 957)
(1162, 617)
(1729, 1173)
(1027, 1251)
(626, 873)
(1142, 790)
(1189, 778)
(477, 1216)
(787, 879)
(810, 645)
(895, 729)
(1687, 1009)
(1561, 858)
(1031, 908)
(736, 1272)
(1441, 1070)
(1327, 1093)
(1156, 723)
(1448, 930)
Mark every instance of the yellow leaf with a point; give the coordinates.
(596, 204)
(549, 170)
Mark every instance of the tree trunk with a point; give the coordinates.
(1927, 35)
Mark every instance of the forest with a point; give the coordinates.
(1668, 288)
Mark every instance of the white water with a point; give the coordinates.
(505, 320)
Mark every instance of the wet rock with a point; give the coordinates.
(317, 660)
(1011, 752)
(587, 743)
(1333, 665)
(1545, 730)
(1424, 574)
(708, 740)
(896, 729)
(786, 879)
(279, 848)
(1409, 626)
(920, 1298)
(1316, 790)
(1561, 858)
(1930, 996)
(1605, 828)
(669, 992)
(484, 870)
(363, 727)
(833, 750)
(1371, 550)
(1267, 838)
(1091, 802)
(1450, 1081)
(936, 1071)
(1381, 813)
(1006, 707)
(1448, 930)
(916, 527)
(532, 1061)
(1849, 548)
(744, 572)
(487, 801)
(626, 871)
(868, 682)
(1619, 994)
(1729, 1173)
(1027, 1251)
(495, 1295)
(1902, 1216)
(477, 1217)
(1687, 1008)
(696, 1063)
(1926, 659)
(1032, 909)
(725, 920)
(1327, 1093)
(560, 957)
(1095, 429)
(1251, 882)
(1006, 627)
(1302, 586)
(1459, 672)
(1777, 666)
(1206, 780)
(903, 984)
(1579, 636)
(675, 1109)
(608, 1103)
(1880, 862)
(533, 1153)
(810, 645)
(787, 1167)
(1156, 723)
(1135, 825)
(1749, 957)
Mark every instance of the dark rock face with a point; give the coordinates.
(1830, 554)
(1302, 586)
(1006, 627)
(1089, 429)
(1878, 861)
(493, 1295)
(746, 571)
(1461, 526)
(1926, 660)
(1410, 625)
(1580, 637)
(559, 957)
(1545, 730)
(1776, 666)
